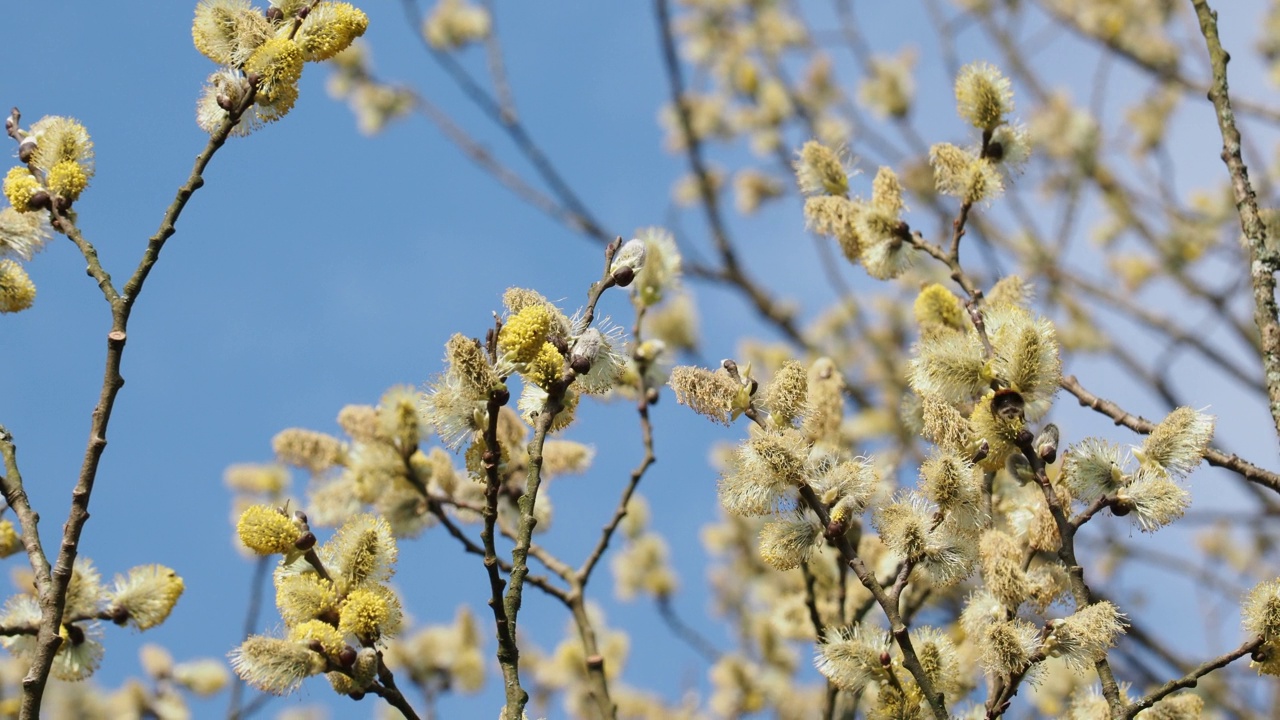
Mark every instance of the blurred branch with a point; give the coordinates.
(260, 567)
(730, 269)
(1177, 336)
(685, 632)
(1164, 74)
(497, 68)
(565, 214)
(511, 125)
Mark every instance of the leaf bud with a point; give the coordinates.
(623, 276)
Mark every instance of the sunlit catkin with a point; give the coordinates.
(821, 170)
(1083, 638)
(983, 96)
(267, 531)
(274, 665)
(17, 292)
(1179, 442)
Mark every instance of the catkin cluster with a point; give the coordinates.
(262, 55)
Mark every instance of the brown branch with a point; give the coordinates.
(52, 593)
(508, 650)
(646, 439)
(1263, 261)
(514, 596)
(897, 627)
(1190, 679)
(1067, 556)
(1213, 456)
(386, 689)
(539, 581)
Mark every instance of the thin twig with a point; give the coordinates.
(511, 125)
(897, 627)
(387, 690)
(52, 593)
(508, 650)
(260, 567)
(1191, 678)
(686, 632)
(1248, 470)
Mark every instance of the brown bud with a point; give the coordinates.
(347, 656)
(275, 14)
(835, 529)
(982, 452)
(624, 275)
(40, 200)
(306, 541)
(26, 148)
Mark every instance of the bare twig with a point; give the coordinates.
(512, 126)
(1190, 679)
(1263, 261)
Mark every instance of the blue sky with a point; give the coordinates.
(318, 267)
